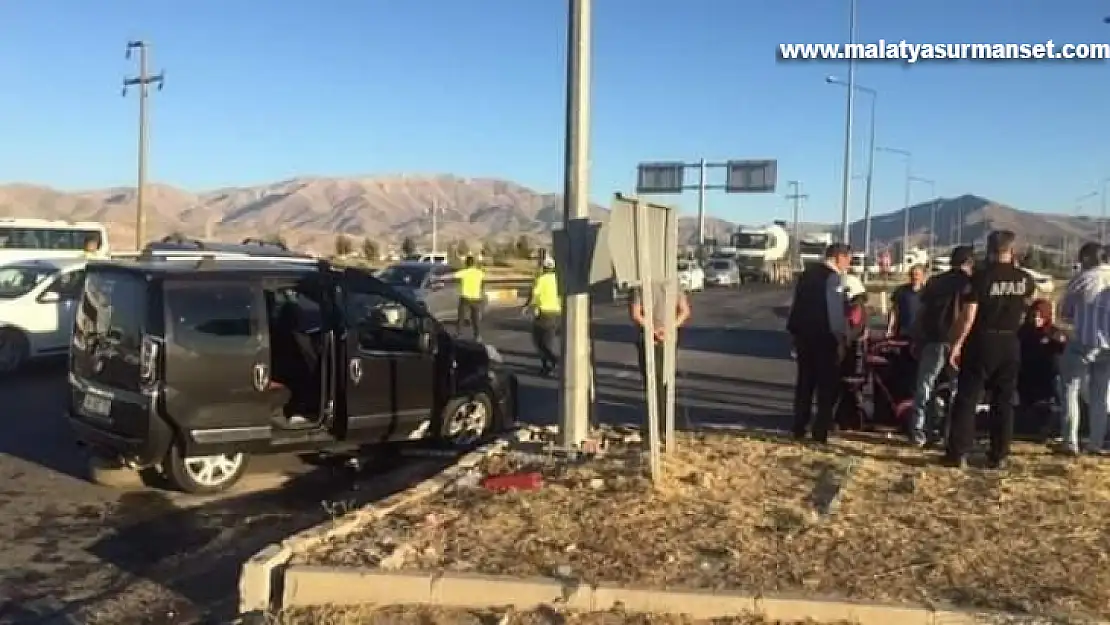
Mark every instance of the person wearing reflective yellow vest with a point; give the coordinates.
(546, 306)
(471, 297)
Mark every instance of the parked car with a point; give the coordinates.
(430, 284)
(191, 367)
(435, 258)
(691, 277)
(37, 303)
(722, 272)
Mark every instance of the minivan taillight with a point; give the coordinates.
(148, 360)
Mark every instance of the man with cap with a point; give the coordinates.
(819, 330)
(546, 307)
(1086, 308)
(932, 333)
(987, 351)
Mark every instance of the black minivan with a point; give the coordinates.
(190, 364)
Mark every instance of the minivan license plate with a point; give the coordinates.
(96, 405)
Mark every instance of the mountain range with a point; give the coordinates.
(309, 212)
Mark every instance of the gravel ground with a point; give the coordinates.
(425, 615)
(741, 513)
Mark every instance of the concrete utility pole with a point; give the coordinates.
(574, 395)
(434, 212)
(846, 190)
(796, 196)
(143, 82)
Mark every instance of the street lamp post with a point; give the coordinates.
(870, 177)
(849, 121)
(932, 184)
(908, 156)
(1079, 202)
(1102, 211)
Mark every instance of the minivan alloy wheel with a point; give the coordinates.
(468, 422)
(213, 471)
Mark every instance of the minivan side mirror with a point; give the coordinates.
(50, 297)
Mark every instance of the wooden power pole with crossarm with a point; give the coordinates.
(143, 81)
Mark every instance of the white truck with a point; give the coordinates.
(762, 254)
(811, 248)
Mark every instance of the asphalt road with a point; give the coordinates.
(76, 552)
(734, 367)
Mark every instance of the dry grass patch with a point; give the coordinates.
(428, 615)
(741, 514)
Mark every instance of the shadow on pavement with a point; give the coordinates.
(541, 404)
(33, 402)
(531, 363)
(755, 343)
(194, 552)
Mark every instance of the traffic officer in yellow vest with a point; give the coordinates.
(471, 297)
(546, 306)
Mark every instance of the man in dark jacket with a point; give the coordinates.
(818, 328)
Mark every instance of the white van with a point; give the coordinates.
(26, 239)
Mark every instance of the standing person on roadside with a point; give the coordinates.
(546, 306)
(818, 328)
(987, 351)
(932, 332)
(659, 328)
(1086, 307)
(904, 304)
(471, 296)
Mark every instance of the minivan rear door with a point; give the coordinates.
(111, 318)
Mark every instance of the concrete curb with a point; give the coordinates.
(307, 585)
(261, 576)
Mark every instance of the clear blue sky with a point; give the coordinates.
(259, 91)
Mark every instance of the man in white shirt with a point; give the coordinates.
(1086, 308)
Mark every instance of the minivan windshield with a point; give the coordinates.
(404, 275)
(19, 280)
(720, 265)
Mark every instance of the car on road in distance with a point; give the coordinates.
(431, 284)
(189, 366)
(37, 303)
(428, 257)
(722, 272)
(691, 277)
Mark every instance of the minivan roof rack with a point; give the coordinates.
(265, 243)
(250, 247)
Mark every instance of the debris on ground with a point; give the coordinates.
(739, 513)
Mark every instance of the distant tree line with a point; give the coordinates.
(496, 252)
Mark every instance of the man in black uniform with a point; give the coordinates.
(987, 352)
(818, 328)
